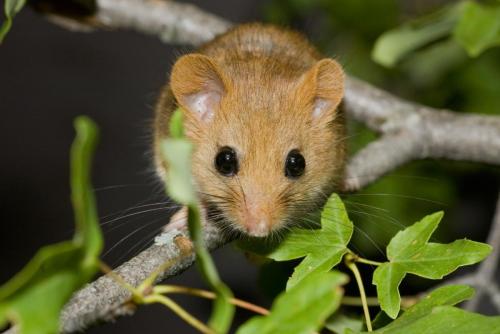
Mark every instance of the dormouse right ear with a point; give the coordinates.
(322, 86)
(198, 85)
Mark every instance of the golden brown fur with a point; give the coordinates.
(269, 81)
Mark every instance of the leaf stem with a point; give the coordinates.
(366, 261)
(177, 309)
(349, 261)
(164, 289)
(355, 257)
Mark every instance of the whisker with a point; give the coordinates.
(133, 214)
(129, 235)
(119, 186)
(400, 196)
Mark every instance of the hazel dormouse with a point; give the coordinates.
(260, 105)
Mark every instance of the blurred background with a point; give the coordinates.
(49, 75)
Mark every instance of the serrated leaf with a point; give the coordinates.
(435, 315)
(449, 319)
(478, 28)
(33, 298)
(177, 153)
(323, 249)
(448, 295)
(410, 252)
(395, 44)
(303, 308)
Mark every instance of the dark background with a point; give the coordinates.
(49, 75)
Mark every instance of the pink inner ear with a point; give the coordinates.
(321, 106)
(203, 104)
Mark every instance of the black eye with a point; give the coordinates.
(226, 161)
(294, 165)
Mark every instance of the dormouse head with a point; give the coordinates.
(268, 137)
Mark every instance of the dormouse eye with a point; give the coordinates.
(226, 161)
(295, 164)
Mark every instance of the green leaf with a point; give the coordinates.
(323, 249)
(303, 308)
(88, 231)
(339, 323)
(448, 319)
(176, 127)
(11, 8)
(177, 153)
(33, 298)
(223, 311)
(478, 28)
(410, 252)
(435, 315)
(395, 44)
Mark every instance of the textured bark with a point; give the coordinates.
(411, 132)
(104, 299)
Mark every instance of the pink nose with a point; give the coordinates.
(257, 228)
(256, 216)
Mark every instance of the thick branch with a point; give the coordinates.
(409, 132)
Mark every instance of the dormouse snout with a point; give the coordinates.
(257, 214)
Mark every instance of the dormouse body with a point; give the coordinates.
(260, 105)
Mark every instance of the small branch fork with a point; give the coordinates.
(408, 132)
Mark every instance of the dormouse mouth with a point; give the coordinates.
(219, 218)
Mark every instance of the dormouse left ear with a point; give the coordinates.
(323, 87)
(198, 86)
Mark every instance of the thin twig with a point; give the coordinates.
(166, 289)
(181, 312)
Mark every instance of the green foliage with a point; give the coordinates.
(88, 231)
(175, 126)
(303, 308)
(434, 314)
(474, 26)
(34, 297)
(339, 323)
(11, 8)
(393, 45)
(177, 153)
(410, 252)
(323, 249)
(479, 27)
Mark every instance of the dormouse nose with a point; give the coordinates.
(257, 213)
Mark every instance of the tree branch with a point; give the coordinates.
(409, 131)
